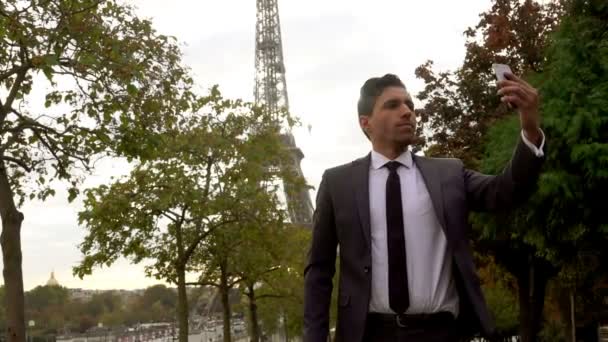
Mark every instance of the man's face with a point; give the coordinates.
(393, 121)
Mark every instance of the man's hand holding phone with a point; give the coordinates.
(524, 97)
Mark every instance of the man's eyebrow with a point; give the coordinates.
(407, 100)
(392, 99)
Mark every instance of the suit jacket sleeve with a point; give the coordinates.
(320, 268)
(508, 189)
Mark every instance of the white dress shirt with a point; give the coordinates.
(429, 260)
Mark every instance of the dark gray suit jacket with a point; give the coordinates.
(342, 218)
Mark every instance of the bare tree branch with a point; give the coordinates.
(235, 281)
(17, 161)
(188, 253)
(16, 86)
(203, 283)
(273, 296)
(62, 168)
(167, 215)
(13, 71)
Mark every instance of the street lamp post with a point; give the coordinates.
(31, 324)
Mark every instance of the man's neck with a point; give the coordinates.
(390, 152)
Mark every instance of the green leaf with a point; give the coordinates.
(51, 60)
(132, 90)
(48, 72)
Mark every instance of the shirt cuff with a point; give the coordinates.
(538, 151)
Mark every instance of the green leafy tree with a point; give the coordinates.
(106, 76)
(202, 173)
(251, 252)
(247, 253)
(43, 296)
(501, 295)
(280, 295)
(45, 305)
(256, 258)
(161, 294)
(460, 106)
(213, 260)
(157, 304)
(269, 263)
(465, 119)
(237, 254)
(563, 224)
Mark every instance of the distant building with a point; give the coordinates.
(52, 281)
(85, 295)
(82, 294)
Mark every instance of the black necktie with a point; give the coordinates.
(398, 293)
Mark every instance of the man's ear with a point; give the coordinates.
(364, 122)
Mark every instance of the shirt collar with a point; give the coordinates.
(378, 160)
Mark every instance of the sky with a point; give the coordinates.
(330, 49)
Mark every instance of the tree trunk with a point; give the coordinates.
(224, 292)
(572, 320)
(253, 313)
(562, 298)
(532, 286)
(182, 304)
(10, 239)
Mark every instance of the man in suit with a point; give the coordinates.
(401, 224)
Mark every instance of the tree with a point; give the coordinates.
(251, 252)
(235, 255)
(157, 304)
(575, 89)
(563, 224)
(466, 121)
(108, 77)
(500, 294)
(254, 261)
(46, 306)
(159, 294)
(44, 296)
(196, 182)
(248, 252)
(460, 106)
(213, 261)
(2, 314)
(280, 295)
(268, 263)
(507, 235)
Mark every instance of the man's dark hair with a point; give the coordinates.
(374, 88)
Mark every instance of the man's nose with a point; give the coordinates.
(406, 111)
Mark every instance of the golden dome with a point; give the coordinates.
(52, 281)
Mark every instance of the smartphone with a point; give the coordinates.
(500, 69)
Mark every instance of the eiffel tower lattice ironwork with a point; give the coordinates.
(271, 91)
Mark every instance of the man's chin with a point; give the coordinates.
(407, 140)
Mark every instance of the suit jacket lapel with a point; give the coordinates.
(361, 184)
(432, 179)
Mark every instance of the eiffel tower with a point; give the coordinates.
(271, 91)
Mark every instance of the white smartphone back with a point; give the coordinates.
(500, 69)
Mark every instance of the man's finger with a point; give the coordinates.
(513, 77)
(507, 83)
(528, 89)
(516, 90)
(514, 100)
